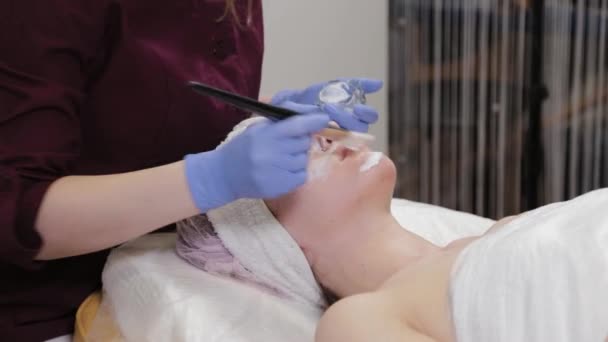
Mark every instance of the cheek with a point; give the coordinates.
(329, 195)
(324, 199)
(346, 188)
(319, 168)
(343, 189)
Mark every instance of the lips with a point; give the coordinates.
(372, 159)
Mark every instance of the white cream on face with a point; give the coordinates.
(319, 167)
(373, 159)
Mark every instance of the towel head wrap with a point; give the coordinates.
(243, 240)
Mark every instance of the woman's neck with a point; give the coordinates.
(359, 253)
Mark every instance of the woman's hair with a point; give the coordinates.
(232, 10)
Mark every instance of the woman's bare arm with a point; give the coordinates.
(83, 214)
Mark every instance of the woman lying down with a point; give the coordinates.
(541, 276)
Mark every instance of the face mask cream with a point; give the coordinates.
(372, 161)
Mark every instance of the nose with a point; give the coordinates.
(343, 152)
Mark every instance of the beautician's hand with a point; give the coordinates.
(267, 160)
(303, 100)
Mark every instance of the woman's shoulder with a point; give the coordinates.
(62, 24)
(367, 317)
(418, 293)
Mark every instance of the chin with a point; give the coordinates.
(380, 182)
(388, 172)
(389, 169)
(385, 172)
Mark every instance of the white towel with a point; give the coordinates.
(542, 277)
(438, 225)
(153, 295)
(262, 245)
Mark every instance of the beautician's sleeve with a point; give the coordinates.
(45, 52)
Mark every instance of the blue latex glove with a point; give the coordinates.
(267, 160)
(303, 100)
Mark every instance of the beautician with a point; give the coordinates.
(101, 141)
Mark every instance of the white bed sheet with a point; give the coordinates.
(163, 298)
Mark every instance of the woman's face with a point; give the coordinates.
(339, 185)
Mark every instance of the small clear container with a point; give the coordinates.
(346, 94)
